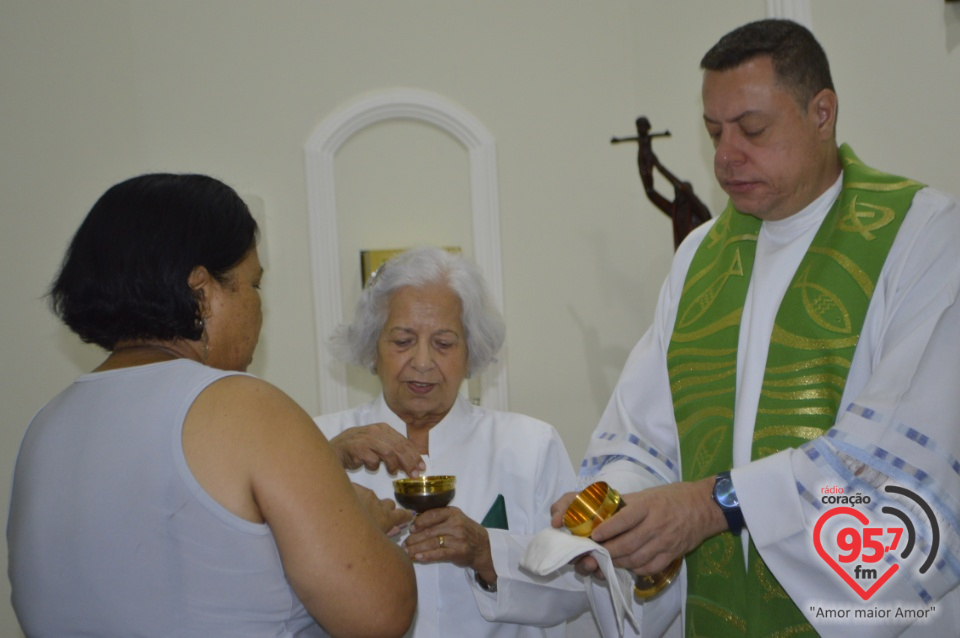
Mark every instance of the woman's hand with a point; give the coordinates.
(447, 535)
(371, 445)
(384, 511)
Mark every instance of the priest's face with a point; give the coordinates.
(422, 354)
(773, 156)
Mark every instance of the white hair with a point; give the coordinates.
(484, 330)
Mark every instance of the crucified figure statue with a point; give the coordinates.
(686, 210)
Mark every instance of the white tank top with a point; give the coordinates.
(109, 534)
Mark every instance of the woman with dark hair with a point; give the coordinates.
(168, 493)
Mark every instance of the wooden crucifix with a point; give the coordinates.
(686, 210)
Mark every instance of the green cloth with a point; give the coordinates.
(815, 334)
(496, 517)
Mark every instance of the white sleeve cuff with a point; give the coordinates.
(767, 490)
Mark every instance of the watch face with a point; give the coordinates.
(724, 493)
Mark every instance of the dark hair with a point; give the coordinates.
(125, 273)
(799, 61)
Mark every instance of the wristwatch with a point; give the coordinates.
(726, 497)
(484, 585)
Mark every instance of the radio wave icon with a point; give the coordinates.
(908, 524)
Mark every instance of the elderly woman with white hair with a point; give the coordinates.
(424, 325)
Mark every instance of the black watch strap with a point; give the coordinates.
(726, 497)
(484, 585)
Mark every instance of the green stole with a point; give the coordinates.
(814, 337)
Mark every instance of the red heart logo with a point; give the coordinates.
(864, 594)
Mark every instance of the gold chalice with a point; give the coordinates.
(425, 492)
(595, 504)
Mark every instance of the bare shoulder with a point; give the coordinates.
(250, 405)
(241, 431)
(241, 392)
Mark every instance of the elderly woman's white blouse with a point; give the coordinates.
(491, 453)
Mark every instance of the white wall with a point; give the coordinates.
(93, 92)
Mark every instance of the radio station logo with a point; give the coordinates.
(855, 548)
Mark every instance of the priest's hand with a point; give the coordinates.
(371, 445)
(558, 509)
(447, 535)
(659, 524)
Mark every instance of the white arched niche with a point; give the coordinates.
(321, 150)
